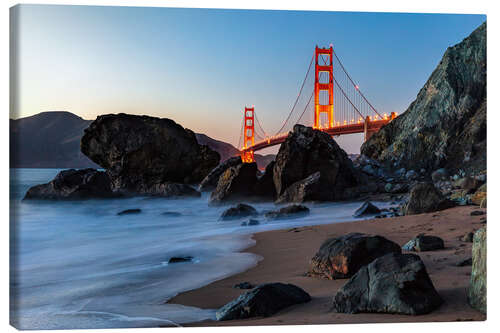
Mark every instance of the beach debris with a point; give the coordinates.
(250, 222)
(130, 211)
(73, 184)
(238, 211)
(210, 181)
(477, 213)
(341, 257)
(292, 211)
(477, 286)
(243, 285)
(425, 198)
(394, 283)
(424, 243)
(464, 262)
(367, 208)
(263, 301)
(175, 260)
(235, 183)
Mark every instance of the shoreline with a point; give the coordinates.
(286, 254)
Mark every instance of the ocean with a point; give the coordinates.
(80, 265)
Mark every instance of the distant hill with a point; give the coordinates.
(48, 140)
(52, 140)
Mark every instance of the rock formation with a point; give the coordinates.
(446, 124)
(341, 257)
(424, 243)
(237, 212)
(73, 185)
(263, 301)
(305, 152)
(210, 181)
(141, 152)
(425, 198)
(477, 285)
(236, 183)
(394, 283)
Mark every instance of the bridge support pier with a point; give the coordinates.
(366, 130)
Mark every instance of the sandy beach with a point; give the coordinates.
(286, 254)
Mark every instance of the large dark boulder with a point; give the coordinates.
(236, 183)
(140, 152)
(263, 301)
(477, 286)
(238, 211)
(394, 283)
(210, 181)
(73, 185)
(425, 198)
(446, 124)
(288, 212)
(308, 189)
(341, 257)
(307, 151)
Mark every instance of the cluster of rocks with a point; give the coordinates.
(141, 155)
(242, 211)
(309, 166)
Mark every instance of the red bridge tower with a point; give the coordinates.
(249, 135)
(323, 86)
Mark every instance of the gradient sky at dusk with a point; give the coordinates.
(201, 67)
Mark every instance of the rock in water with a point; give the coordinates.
(288, 212)
(238, 211)
(130, 211)
(342, 257)
(424, 243)
(446, 124)
(235, 183)
(141, 152)
(477, 285)
(394, 283)
(425, 198)
(210, 181)
(307, 151)
(73, 185)
(175, 260)
(367, 208)
(263, 301)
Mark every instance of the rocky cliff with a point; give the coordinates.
(446, 124)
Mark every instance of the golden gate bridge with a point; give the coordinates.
(339, 107)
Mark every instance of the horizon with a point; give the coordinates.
(193, 73)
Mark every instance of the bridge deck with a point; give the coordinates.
(373, 126)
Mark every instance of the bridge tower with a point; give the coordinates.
(323, 86)
(248, 134)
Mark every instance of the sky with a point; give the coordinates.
(201, 67)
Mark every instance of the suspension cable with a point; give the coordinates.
(356, 86)
(298, 96)
(260, 126)
(342, 90)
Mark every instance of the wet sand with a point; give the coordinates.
(286, 254)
